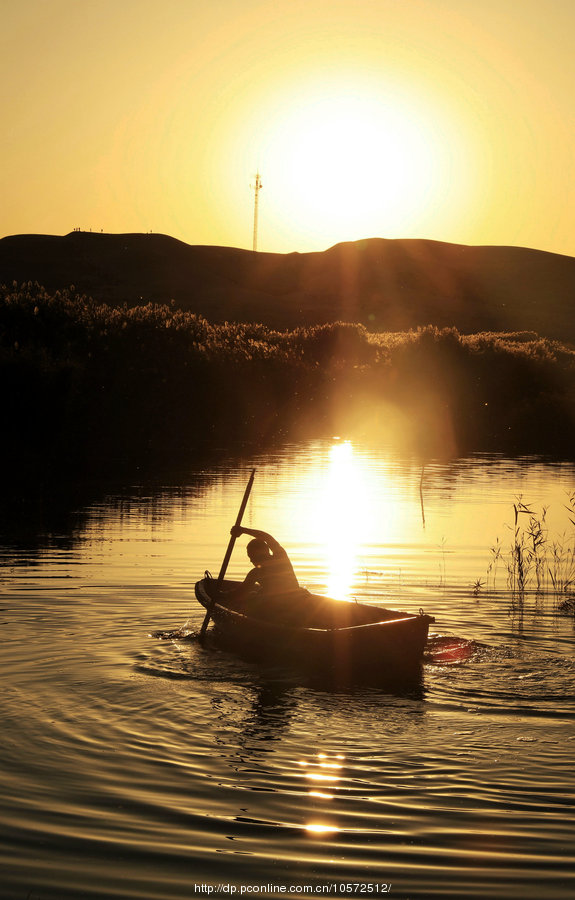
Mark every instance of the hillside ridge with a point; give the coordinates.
(385, 284)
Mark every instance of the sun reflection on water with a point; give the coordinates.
(346, 517)
(330, 773)
(320, 828)
(340, 516)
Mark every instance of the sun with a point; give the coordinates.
(344, 166)
(343, 156)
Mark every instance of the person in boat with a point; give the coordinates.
(273, 575)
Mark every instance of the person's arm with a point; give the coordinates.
(248, 585)
(251, 579)
(262, 535)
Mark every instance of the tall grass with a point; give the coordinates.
(536, 564)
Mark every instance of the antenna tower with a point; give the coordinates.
(257, 188)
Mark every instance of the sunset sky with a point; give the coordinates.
(443, 119)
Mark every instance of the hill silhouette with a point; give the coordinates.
(387, 285)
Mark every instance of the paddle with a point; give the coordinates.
(229, 552)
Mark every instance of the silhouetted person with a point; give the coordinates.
(272, 571)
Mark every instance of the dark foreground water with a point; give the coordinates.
(138, 768)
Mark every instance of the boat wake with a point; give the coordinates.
(179, 634)
(450, 650)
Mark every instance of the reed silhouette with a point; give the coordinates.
(83, 381)
(536, 563)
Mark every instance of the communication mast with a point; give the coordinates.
(256, 188)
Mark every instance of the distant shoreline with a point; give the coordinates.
(86, 384)
(385, 285)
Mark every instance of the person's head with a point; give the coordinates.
(258, 551)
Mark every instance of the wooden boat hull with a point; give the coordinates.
(342, 639)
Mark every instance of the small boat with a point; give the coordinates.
(344, 639)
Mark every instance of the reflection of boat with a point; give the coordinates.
(345, 638)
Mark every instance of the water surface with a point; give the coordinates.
(139, 768)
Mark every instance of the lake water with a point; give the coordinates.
(139, 768)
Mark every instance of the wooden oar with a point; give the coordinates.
(227, 557)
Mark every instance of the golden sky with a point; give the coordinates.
(444, 119)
